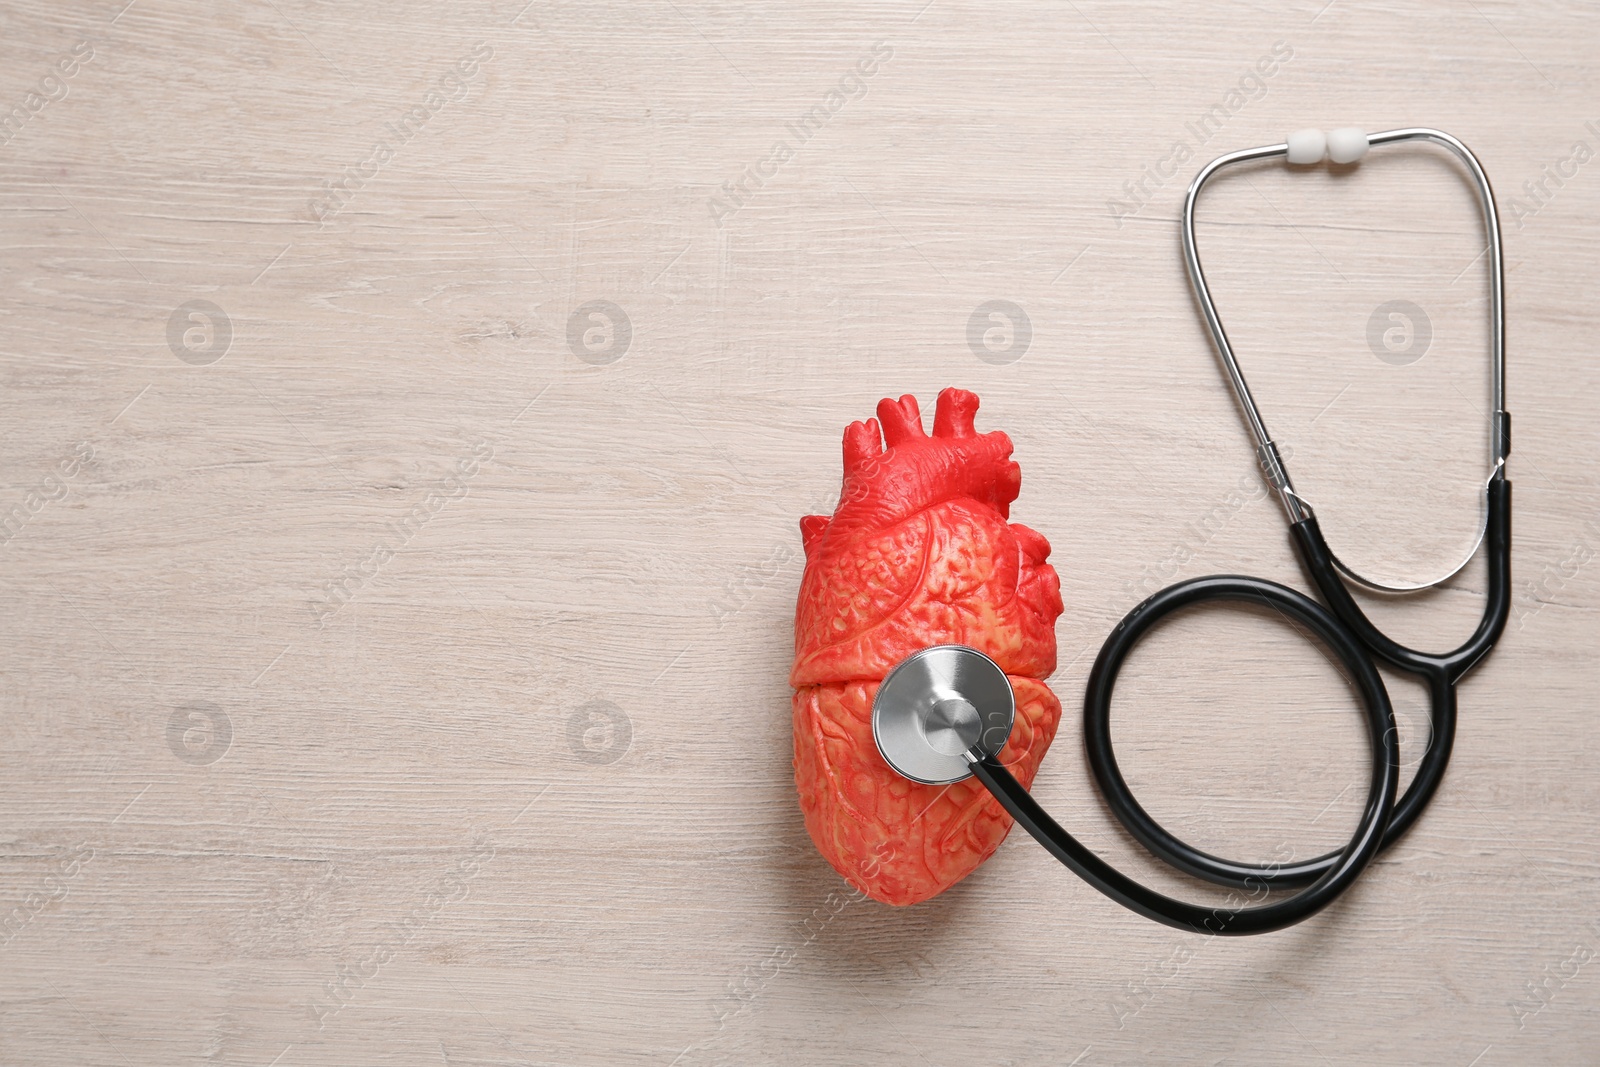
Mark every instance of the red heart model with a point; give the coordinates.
(917, 553)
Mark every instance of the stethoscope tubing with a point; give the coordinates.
(1334, 877)
(1440, 673)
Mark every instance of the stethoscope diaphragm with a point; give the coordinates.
(939, 709)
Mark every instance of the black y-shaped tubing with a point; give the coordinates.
(1439, 672)
(1333, 878)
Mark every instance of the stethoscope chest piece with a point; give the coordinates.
(940, 709)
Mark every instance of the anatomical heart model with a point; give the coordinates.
(917, 553)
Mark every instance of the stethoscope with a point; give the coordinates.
(944, 713)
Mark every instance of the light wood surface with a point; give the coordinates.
(399, 684)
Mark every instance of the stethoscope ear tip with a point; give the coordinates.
(1309, 146)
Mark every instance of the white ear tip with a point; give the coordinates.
(1307, 146)
(1347, 145)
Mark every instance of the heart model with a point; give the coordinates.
(917, 553)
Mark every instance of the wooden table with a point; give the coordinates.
(406, 417)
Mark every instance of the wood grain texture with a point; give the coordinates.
(525, 795)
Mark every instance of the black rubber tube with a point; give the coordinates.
(1325, 887)
(1318, 560)
(1439, 672)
